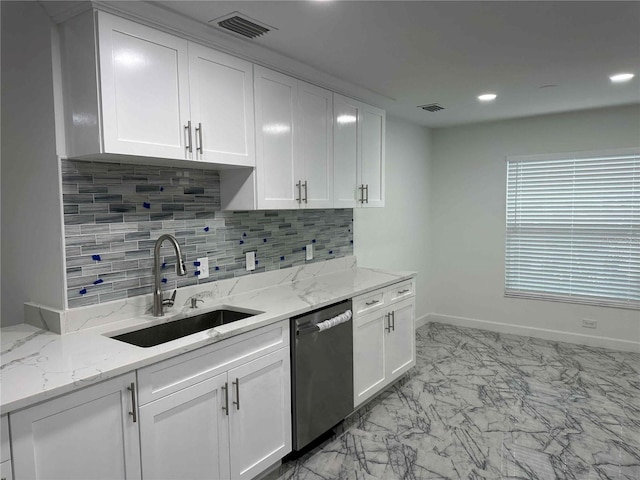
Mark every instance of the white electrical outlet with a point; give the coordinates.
(203, 268)
(310, 251)
(251, 261)
(588, 323)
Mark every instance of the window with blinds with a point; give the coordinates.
(573, 228)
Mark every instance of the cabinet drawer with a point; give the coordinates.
(368, 302)
(5, 453)
(399, 291)
(169, 376)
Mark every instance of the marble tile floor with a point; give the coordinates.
(482, 405)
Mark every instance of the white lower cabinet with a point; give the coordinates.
(185, 435)
(88, 434)
(383, 339)
(226, 409)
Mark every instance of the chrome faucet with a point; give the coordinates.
(181, 270)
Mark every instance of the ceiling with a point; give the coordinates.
(538, 57)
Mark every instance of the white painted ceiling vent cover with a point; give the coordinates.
(432, 107)
(241, 24)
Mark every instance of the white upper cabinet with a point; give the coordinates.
(145, 93)
(314, 162)
(276, 118)
(294, 142)
(221, 88)
(359, 154)
(144, 89)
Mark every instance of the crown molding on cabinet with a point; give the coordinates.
(156, 16)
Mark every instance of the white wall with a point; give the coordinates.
(468, 215)
(396, 237)
(32, 261)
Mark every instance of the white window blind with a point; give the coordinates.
(573, 228)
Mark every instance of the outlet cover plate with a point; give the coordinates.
(309, 251)
(204, 267)
(251, 261)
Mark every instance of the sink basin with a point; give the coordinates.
(165, 332)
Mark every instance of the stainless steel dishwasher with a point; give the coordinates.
(321, 371)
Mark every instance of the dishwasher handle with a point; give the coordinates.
(307, 328)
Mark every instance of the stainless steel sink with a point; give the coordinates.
(165, 332)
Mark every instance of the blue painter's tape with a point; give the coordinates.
(83, 291)
(146, 204)
(162, 189)
(206, 229)
(350, 241)
(196, 264)
(217, 268)
(97, 258)
(257, 262)
(313, 241)
(330, 252)
(304, 248)
(197, 272)
(264, 240)
(98, 281)
(241, 242)
(164, 280)
(282, 258)
(164, 264)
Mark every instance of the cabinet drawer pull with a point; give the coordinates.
(361, 188)
(393, 320)
(237, 401)
(187, 129)
(372, 302)
(133, 412)
(366, 187)
(306, 192)
(404, 291)
(225, 389)
(199, 137)
(387, 318)
(299, 187)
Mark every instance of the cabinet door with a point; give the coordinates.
(185, 434)
(144, 88)
(346, 151)
(400, 342)
(276, 117)
(260, 414)
(368, 355)
(315, 140)
(88, 434)
(221, 95)
(372, 160)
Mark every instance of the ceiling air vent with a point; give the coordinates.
(432, 107)
(240, 24)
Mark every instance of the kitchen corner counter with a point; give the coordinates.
(36, 364)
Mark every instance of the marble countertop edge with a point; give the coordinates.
(37, 365)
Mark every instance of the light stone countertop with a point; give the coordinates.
(37, 364)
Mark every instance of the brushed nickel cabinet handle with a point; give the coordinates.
(367, 189)
(404, 291)
(393, 321)
(188, 145)
(237, 401)
(299, 187)
(133, 412)
(372, 302)
(199, 137)
(225, 389)
(306, 192)
(387, 318)
(361, 188)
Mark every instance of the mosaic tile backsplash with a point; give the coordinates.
(113, 214)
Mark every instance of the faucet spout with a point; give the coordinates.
(181, 270)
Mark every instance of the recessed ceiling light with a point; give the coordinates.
(621, 77)
(487, 97)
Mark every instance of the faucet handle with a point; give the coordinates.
(194, 302)
(170, 301)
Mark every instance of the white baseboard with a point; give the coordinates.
(546, 334)
(423, 320)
